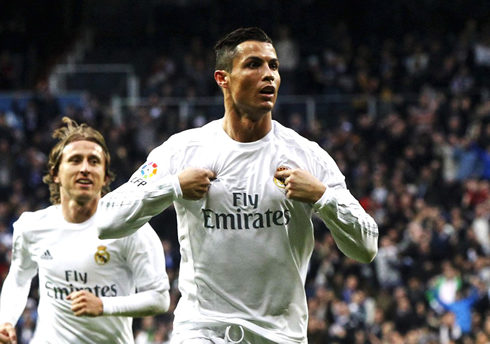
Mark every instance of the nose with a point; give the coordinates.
(269, 77)
(268, 74)
(85, 167)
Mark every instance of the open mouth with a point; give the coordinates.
(268, 90)
(84, 182)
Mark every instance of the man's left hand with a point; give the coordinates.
(301, 185)
(84, 303)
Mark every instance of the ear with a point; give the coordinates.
(107, 180)
(56, 179)
(221, 78)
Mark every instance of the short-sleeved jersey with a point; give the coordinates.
(70, 257)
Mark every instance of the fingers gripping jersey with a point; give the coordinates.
(245, 246)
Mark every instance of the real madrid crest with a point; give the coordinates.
(102, 257)
(279, 181)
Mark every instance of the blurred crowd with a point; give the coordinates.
(420, 165)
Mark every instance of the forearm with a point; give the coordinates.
(142, 304)
(354, 231)
(126, 209)
(13, 299)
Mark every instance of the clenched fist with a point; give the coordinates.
(301, 185)
(7, 334)
(195, 182)
(84, 303)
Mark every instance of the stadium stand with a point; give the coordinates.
(418, 160)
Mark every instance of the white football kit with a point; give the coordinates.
(70, 257)
(245, 247)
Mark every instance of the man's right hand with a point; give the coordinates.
(7, 334)
(195, 182)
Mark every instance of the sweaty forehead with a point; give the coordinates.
(255, 48)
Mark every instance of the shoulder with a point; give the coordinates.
(37, 220)
(145, 242)
(194, 135)
(187, 138)
(292, 138)
(316, 159)
(294, 141)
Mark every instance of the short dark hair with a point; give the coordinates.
(67, 134)
(225, 48)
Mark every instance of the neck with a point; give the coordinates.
(75, 212)
(245, 128)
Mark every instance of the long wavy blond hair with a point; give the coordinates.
(67, 134)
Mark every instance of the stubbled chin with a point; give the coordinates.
(269, 105)
(85, 197)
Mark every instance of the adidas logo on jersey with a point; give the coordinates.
(46, 255)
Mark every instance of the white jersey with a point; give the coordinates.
(70, 257)
(245, 246)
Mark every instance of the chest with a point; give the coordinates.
(245, 179)
(74, 255)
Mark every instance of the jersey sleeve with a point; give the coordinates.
(354, 230)
(16, 286)
(146, 260)
(149, 191)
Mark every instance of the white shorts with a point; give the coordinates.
(234, 334)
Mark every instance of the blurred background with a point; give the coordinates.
(397, 92)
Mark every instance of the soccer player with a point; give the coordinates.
(80, 276)
(244, 188)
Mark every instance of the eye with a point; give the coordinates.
(274, 66)
(253, 64)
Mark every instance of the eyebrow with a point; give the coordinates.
(257, 58)
(80, 155)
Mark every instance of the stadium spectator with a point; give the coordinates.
(461, 307)
(380, 138)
